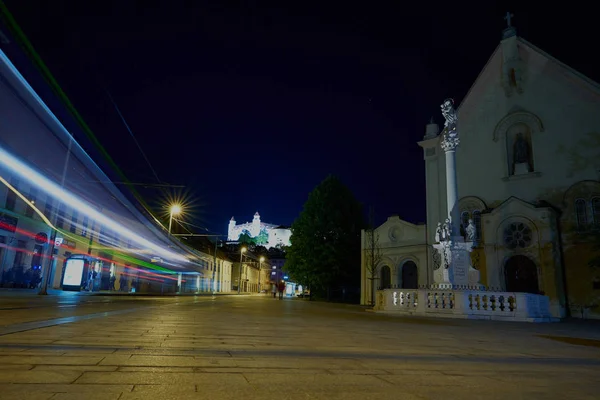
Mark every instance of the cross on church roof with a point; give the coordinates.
(508, 19)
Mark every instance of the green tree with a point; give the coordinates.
(245, 238)
(373, 254)
(325, 240)
(262, 238)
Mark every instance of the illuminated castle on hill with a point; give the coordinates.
(261, 233)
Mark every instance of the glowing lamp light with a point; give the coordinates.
(243, 249)
(25, 172)
(262, 259)
(175, 209)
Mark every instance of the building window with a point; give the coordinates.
(32, 198)
(49, 209)
(11, 200)
(60, 220)
(73, 227)
(475, 215)
(581, 213)
(477, 223)
(464, 219)
(596, 211)
(84, 226)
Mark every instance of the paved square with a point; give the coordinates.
(254, 347)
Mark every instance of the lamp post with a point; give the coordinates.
(175, 209)
(260, 261)
(242, 251)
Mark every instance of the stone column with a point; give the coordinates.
(456, 270)
(449, 145)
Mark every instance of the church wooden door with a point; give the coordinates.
(521, 275)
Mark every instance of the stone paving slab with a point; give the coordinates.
(32, 376)
(253, 348)
(148, 378)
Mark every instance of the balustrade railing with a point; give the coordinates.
(466, 303)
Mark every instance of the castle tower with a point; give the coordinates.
(255, 229)
(231, 230)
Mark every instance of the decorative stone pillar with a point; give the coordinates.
(455, 270)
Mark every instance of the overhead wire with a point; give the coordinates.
(112, 100)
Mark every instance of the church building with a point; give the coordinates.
(528, 173)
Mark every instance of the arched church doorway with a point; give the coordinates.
(385, 277)
(521, 275)
(410, 277)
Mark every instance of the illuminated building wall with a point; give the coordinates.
(263, 234)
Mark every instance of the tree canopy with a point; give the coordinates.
(325, 241)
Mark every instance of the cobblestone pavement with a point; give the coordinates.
(254, 347)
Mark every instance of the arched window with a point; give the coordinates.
(385, 277)
(464, 219)
(410, 275)
(596, 211)
(580, 213)
(475, 215)
(477, 223)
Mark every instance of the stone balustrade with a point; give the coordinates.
(473, 304)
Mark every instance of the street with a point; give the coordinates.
(255, 347)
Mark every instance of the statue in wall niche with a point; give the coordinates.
(521, 152)
(471, 231)
(438, 233)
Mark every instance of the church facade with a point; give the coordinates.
(528, 172)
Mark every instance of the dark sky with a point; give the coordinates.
(252, 106)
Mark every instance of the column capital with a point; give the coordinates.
(450, 141)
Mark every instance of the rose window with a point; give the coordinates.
(517, 235)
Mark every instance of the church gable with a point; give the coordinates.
(395, 231)
(524, 123)
(515, 211)
(517, 68)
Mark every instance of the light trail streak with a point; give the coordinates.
(29, 174)
(75, 238)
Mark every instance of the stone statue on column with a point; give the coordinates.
(450, 140)
(452, 249)
(438, 233)
(447, 230)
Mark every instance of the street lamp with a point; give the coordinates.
(242, 251)
(260, 261)
(175, 209)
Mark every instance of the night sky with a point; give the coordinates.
(252, 106)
